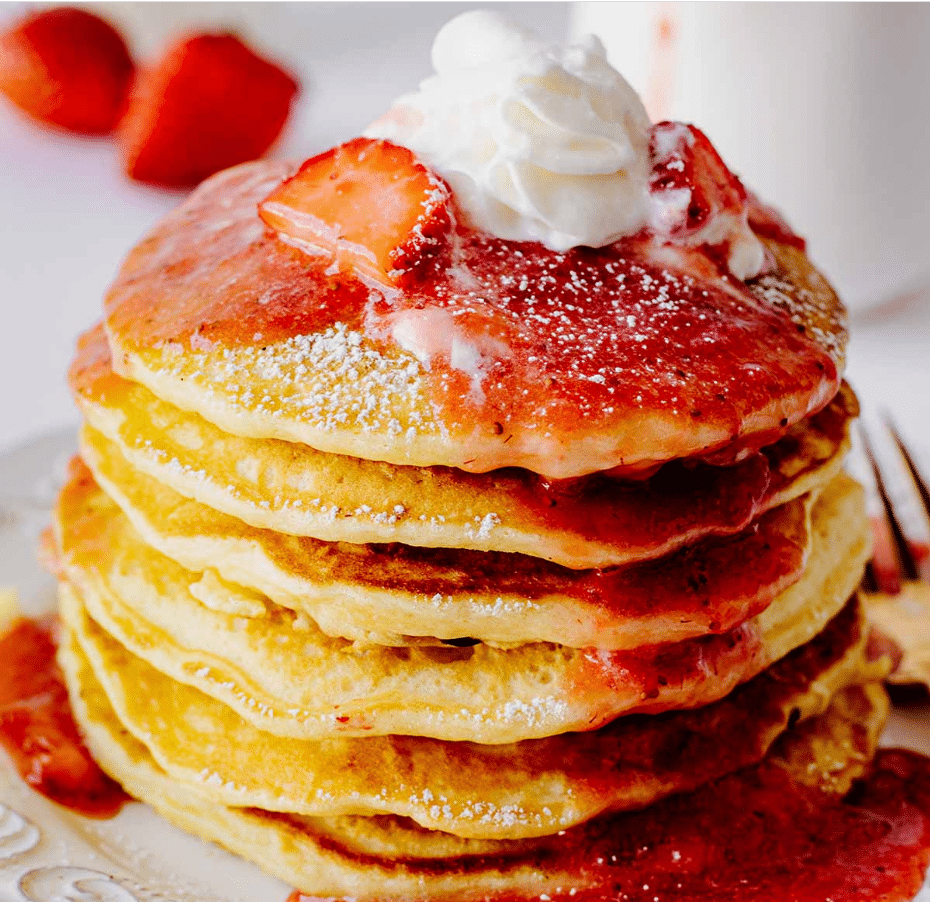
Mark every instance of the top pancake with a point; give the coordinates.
(562, 364)
(593, 521)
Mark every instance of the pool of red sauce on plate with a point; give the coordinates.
(757, 836)
(577, 340)
(37, 728)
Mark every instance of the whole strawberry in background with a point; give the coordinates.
(209, 103)
(67, 68)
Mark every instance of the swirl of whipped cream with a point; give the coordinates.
(539, 142)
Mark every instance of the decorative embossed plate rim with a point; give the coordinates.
(48, 854)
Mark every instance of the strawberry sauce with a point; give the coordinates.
(757, 836)
(515, 340)
(680, 504)
(38, 730)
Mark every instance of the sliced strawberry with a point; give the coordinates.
(371, 204)
(689, 172)
(67, 68)
(768, 222)
(208, 104)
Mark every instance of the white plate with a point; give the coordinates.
(48, 854)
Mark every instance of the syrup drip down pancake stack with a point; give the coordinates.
(411, 560)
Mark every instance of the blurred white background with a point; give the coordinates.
(821, 106)
(69, 215)
(822, 109)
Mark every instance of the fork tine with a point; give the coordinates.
(918, 550)
(908, 564)
(919, 482)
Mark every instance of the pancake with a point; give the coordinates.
(628, 363)
(392, 858)
(420, 563)
(528, 789)
(398, 595)
(598, 522)
(831, 754)
(287, 677)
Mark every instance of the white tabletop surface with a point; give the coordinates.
(69, 215)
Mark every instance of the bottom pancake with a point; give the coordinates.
(531, 788)
(391, 858)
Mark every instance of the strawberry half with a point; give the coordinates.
(372, 205)
(208, 104)
(768, 222)
(67, 68)
(689, 172)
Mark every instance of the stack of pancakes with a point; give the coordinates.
(316, 610)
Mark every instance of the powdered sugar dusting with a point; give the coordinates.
(329, 380)
(445, 811)
(562, 363)
(538, 715)
(823, 323)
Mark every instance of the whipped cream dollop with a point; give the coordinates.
(543, 142)
(539, 142)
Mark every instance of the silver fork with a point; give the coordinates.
(901, 555)
(896, 585)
